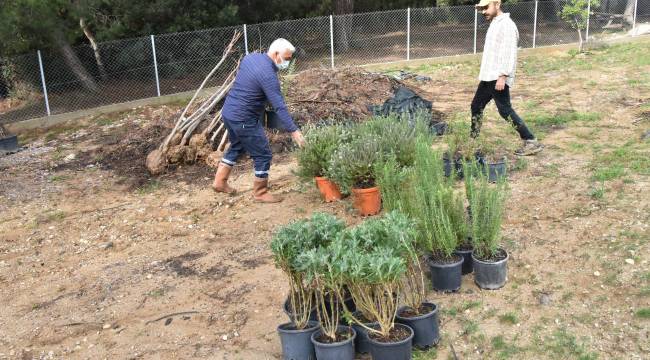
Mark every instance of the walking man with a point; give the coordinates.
(497, 74)
(255, 84)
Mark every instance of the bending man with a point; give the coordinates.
(255, 84)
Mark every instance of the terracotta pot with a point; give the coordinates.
(367, 201)
(328, 189)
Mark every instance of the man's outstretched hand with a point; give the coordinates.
(298, 138)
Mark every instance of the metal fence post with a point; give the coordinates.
(636, 2)
(332, 40)
(475, 27)
(535, 26)
(155, 64)
(408, 34)
(47, 101)
(588, 18)
(245, 39)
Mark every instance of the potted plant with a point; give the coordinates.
(418, 313)
(288, 243)
(492, 160)
(375, 280)
(487, 202)
(431, 205)
(461, 147)
(352, 168)
(323, 268)
(313, 158)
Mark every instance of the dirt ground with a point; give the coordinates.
(97, 265)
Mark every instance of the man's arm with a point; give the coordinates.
(271, 87)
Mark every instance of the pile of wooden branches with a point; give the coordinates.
(190, 137)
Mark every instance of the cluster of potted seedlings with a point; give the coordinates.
(363, 288)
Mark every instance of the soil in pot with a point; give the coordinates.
(367, 201)
(329, 191)
(424, 323)
(398, 345)
(465, 250)
(446, 273)
(491, 273)
(296, 344)
(361, 343)
(341, 348)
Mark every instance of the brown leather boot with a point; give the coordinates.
(220, 183)
(261, 192)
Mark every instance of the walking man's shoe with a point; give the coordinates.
(220, 183)
(261, 192)
(530, 147)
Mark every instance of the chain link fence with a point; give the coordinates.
(59, 81)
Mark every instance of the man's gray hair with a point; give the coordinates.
(281, 45)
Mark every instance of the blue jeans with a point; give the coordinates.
(251, 139)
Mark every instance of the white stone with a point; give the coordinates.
(630, 261)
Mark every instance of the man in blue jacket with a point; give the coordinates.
(255, 84)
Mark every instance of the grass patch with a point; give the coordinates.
(521, 164)
(597, 193)
(149, 187)
(643, 313)
(509, 318)
(609, 173)
(503, 348)
(156, 293)
(471, 305)
(425, 355)
(546, 120)
(470, 327)
(58, 178)
(565, 345)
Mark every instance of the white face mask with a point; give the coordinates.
(283, 65)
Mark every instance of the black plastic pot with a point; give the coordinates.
(9, 145)
(296, 344)
(450, 166)
(313, 315)
(446, 277)
(467, 260)
(496, 170)
(425, 327)
(490, 275)
(349, 303)
(361, 343)
(401, 350)
(343, 350)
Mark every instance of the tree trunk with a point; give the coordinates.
(343, 25)
(93, 44)
(73, 62)
(628, 14)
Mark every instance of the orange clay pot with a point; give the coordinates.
(367, 201)
(328, 189)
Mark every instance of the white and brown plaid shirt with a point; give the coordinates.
(500, 50)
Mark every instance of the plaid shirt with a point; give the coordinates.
(500, 50)
(255, 83)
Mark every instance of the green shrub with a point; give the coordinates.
(487, 204)
(320, 144)
(352, 165)
(288, 243)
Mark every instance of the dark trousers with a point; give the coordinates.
(251, 139)
(486, 92)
